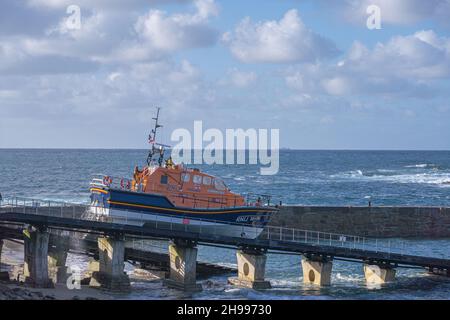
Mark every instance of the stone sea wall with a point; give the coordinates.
(380, 222)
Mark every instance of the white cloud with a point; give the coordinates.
(287, 40)
(178, 31)
(106, 37)
(177, 87)
(394, 12)
(405, 66)
(337, 86)
(114, 76)
(113, 62)
(97, 4)
(241, 79)
(423, 55)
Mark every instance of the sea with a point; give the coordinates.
(305, 177)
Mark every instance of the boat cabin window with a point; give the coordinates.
(219, 185)
(207, 181)
(164, 179)
(197, 179)
(185, 177)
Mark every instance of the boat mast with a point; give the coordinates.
(152, 138)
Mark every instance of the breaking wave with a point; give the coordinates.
(422, 165)
(433, 178)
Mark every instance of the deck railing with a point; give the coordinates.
(199, 201)
(206, 226)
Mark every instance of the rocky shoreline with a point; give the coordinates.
(12, 289)
(16, 293)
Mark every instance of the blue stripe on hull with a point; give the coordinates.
(140, 198)
(124, 200)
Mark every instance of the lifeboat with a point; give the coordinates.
(165, 194)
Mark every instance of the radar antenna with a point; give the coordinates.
(152, 141)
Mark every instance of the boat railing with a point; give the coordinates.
(205, 226)
(101, 180)
(199, 201)
(257, 199)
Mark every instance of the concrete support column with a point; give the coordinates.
(251, 270)
(376, 274)
(35, 269)
(111, 273)
(93, 266)
(183, 267)
(57, 256)
(4, 275)
(1, 248)
(317, 270)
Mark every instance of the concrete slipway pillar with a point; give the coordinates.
(93, 266)
(251, 270)
(317, 270)
(376, 274)
(183, 266)
(35, 269)
(4, 275)
(111, 273)
(57, 256)
(1, 248)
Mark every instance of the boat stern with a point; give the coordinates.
(99, 196)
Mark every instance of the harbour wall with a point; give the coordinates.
(380, 222)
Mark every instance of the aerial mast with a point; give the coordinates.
(152, 137)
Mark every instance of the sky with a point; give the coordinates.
(310, 68)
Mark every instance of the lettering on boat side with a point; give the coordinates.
(235, 146)
(248, 218)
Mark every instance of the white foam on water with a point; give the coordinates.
(348, 174)
(434, 178)
(420, 178)
(285, 283)
(347, 278)
(386, 170)
(421, 165)
(232, 290)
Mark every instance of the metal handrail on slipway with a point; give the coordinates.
(126, 184)
(206, 226)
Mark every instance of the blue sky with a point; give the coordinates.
(309, 68)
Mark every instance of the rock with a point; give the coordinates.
(7, 293)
